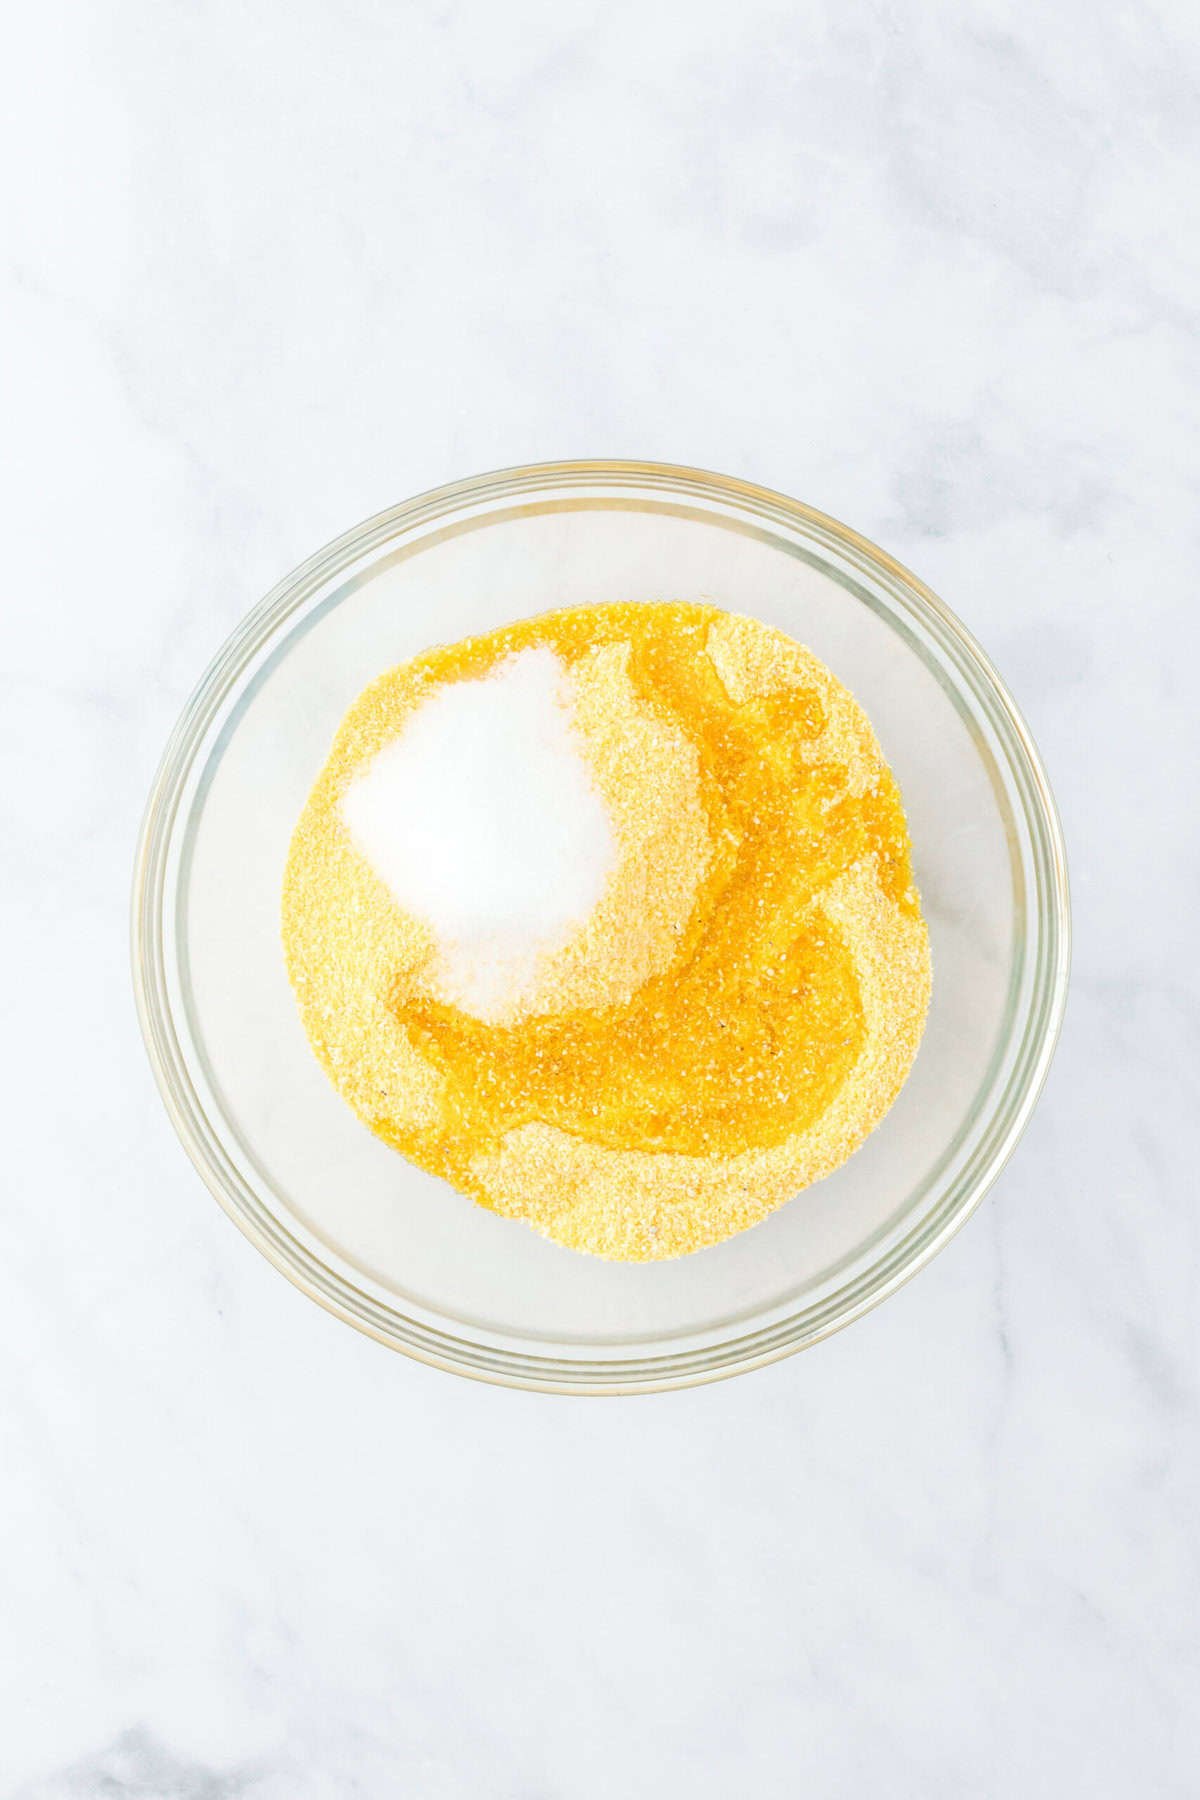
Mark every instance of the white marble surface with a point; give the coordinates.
(268, 268)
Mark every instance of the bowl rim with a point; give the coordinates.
(548, 1374)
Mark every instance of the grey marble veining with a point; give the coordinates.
(932, 268)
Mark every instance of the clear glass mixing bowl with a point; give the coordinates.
(391, 1249)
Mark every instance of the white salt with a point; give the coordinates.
(483, 820)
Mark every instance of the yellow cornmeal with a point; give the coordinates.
(739, 1011)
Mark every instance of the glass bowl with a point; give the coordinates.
(388, 1247)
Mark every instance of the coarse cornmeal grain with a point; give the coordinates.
(739, 1011)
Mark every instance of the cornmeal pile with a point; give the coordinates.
(733, 1017)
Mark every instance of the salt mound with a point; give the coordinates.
(483, 820)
